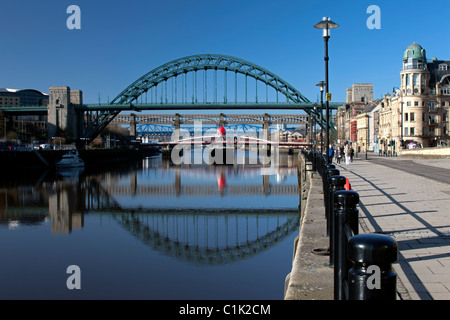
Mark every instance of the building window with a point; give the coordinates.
(443, 66)
(408, 79)
(432, 118)
(412, 131)
(432, 107)
(408, 103)
(415, 79)
(411, 117)
(416, 103)
(406, 116)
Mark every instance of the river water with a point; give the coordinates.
(149, 230)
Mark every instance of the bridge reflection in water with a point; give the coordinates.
(210, 238)
(141, 198)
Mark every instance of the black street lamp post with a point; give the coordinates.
(321, 84)
(326, 24)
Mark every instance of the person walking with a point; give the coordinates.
(338, 154)
(331, 154)
(352, 153)
(347, 154)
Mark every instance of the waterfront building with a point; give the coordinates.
(26, 97)
(358, 97)
(367, 127)
(415, 116)
(25, 125)
(420, 107)
(360, 93)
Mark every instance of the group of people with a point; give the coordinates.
(345, 150)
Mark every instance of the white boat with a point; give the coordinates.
(70, 160)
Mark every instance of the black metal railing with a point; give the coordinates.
(362, 263)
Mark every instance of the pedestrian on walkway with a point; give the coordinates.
(352, 153)
(347, 154)
(330, 153)
(338, 154)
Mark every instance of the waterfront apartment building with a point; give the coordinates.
(416, 115)
(420, 107)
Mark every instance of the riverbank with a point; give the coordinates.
(310, 278)
(13, 159)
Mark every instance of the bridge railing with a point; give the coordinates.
(362, 263)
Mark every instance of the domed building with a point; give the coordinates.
(419, 109)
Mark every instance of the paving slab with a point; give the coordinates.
(408, 199)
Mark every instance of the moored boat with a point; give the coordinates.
(70, 160)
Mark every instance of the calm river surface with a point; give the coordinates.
(149, 230)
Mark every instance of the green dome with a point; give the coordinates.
(414, 51)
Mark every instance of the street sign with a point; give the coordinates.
(328, 96)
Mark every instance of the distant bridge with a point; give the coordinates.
(165, 130)
(210, 119)
(242, 123)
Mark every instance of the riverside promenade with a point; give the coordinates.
(408, 199)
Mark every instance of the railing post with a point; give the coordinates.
(372, 276)
(346, 226)
(336, 183)
(328, 195)
(326, 187)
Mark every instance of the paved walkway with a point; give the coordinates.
(414, 208)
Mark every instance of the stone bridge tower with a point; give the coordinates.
(63, 119)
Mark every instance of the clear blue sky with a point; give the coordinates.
(119, 41)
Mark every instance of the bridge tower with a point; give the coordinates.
(222, 120)
(61, 114)
(177, 121)
(132, 125)
(266, 125)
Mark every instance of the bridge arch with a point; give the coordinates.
(207, 62)
(97, 117)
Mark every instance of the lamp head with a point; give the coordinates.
(326, 24)
(321, 84)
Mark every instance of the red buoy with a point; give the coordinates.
(221, 131)
(221, 181)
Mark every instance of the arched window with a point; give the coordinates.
(445, 80)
